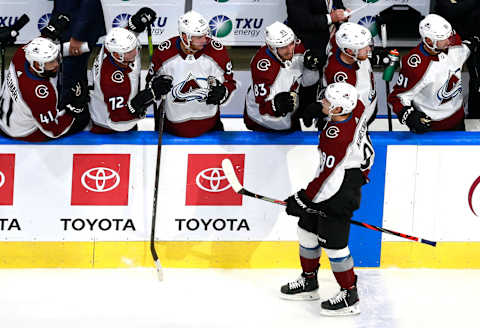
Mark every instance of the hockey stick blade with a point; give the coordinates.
(231, 176)
(158, 266)
(239, 189)
(233, 180)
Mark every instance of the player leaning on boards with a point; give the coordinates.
(116, 103)
(29, 107)
(278, 70)
(349, 62)
(335, 192)
(428, 95)
(202, 77)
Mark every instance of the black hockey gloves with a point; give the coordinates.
(139, 104)
(218, 92)
(312, 60)
(417, 122)
(161, 85)
(379, 57)
(299, 205)
(142, 18)
(312, 112)
(76, 100)
(473, 43)
(6, 38)
(8, 35)
(284, 103)
(58, 24)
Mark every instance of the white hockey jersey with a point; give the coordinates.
(342, 145)
(186, 111)
(28, 104)
(359, 74)
(270, 77)
(113, 87)
(432, 84)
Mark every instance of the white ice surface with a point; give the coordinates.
(230, 298)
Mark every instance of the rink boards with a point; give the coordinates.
(86, 201)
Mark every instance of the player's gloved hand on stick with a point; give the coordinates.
(300, 205)
(217, 94)
(312, 60)
(141, 19)
(417, 122)
(284, 103)
(76, 99)
(58, 24)
(161, 85)
(138, 105)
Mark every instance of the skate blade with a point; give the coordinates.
(351, 310)
(305, 296)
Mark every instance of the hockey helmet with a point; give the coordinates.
(121, 41)
(41, 50)
(278, 35)
(192, 24)
(354, 37)
(436, 28)
(341, 94)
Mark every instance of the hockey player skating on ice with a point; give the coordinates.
(278, 70)
(429, 91)
(116, 103)
(348, 62)
(328, 202)
(202, 77)
(29, 106)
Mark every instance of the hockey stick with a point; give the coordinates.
(238, 188)
(156, 260)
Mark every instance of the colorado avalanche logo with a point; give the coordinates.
(191, 89)
(450, 89)
(41, 91)
(340, 77)
(332, 132)
(414, 60)
(117, 77)
(263, 65)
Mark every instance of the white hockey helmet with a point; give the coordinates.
(121, 41)
(341, 94)
(41, 50)
(192, 24)
(278, 35)
(436, 28)
(354, 37)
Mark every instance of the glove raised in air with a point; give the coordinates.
(313, 59)
(57, 25)
(141, 19)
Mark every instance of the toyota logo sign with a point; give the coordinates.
(206, 182)
(212, 180)
(102, 179)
